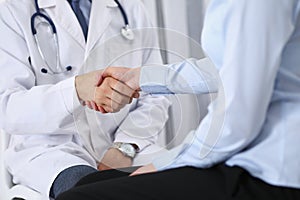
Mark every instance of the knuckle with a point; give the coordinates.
(119, 86)
(106, 92)
(115, 106)
(108, 109)
(116, 98)
(100, 90)
(110, 80)
(97, 94)
(125, 100)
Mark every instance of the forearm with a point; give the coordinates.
(188, 77)
(46, 108)
(26, 108)
(143, 125)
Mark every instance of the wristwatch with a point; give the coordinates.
(127, 149)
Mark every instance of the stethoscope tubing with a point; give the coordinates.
(126, 22)
(48, 19)
(38, 13)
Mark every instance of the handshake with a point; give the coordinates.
(108, 90)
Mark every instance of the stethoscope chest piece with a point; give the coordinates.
(127, 33)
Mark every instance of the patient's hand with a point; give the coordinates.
(129, 76)
(114, 159)
(112, 95)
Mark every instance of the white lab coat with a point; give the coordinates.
(39, 110)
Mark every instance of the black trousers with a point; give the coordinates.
(217, 183)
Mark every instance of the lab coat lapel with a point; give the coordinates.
(63, 15)
(100, 18)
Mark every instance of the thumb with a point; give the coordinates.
(99, 79)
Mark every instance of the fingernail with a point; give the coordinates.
(136, 95)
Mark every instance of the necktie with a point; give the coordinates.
(76, 8)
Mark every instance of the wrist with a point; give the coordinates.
(77, 88)
(137, 72)
(127, 149)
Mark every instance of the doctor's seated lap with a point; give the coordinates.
(55, 140)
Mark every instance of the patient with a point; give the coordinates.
(247, 147)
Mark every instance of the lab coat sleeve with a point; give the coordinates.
(143, 125)
(24, 107)
(255, 34)
(188, 77)
(147, 120)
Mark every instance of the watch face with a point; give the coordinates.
(128, 149)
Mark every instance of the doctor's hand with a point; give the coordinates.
(144, 170)
(129, 76)
(114, 159)
(104, 95)
(86, 84)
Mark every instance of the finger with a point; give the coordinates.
(136, 95)
(119, 98)
(111, 107)
(121, 88)
(108, 109)
(94, 106)
(99, 79)
(106, 106)
(101, 96)
(113, 101)
(135, 173)
(101, 109)
(103, 101)
(103, 167)
(89, 105)
(116, 107)
(105, 91)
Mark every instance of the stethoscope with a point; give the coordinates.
(126, 32)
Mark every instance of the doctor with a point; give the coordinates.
(54, 140)
(247, 147)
